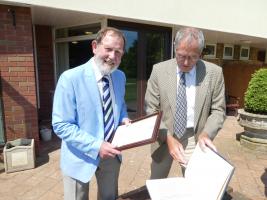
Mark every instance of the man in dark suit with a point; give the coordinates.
(203, 102)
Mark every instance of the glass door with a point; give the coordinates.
(155, 51)
(146, 45)
(129, 67)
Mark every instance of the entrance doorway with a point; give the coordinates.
(145, 46)
(73, 46)
(72, 54)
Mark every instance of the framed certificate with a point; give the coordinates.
(141, 131)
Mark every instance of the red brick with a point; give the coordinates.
(26, 84)
(29, 55)
(3, 49)
(16, 59)
(17, 69)
(31, 69)
(31, 79)
(4, 64)
(27, 74)
(3, 58)
(18, 75)
(26, 64)
(7, 74)
(18, 79)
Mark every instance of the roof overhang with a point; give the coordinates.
(58, 17)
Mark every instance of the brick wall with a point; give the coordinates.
(237, 52)
(219, 50)
(253, 53)
(237, 73)
(18, 74)
(45, 70)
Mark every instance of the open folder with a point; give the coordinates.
(206, 177)
(141, 131)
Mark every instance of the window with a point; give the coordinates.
(209, 51)
(244, 53)
(228, 51)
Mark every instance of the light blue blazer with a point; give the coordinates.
(77, 118)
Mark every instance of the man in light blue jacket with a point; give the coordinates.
(81, 120)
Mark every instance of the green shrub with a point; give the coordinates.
(256, 94)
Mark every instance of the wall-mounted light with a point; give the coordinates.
(88, 32)
(13, 15)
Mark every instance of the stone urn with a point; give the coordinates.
(255, 130)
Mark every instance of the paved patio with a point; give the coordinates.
(44, 182)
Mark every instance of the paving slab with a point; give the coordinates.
(249, 181)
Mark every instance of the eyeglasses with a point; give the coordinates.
(193, 58)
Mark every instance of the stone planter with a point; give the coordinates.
(19, 155)
(255, 130)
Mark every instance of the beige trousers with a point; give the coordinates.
(162, 169)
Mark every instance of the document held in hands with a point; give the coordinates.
(141, 131)
(206, 177)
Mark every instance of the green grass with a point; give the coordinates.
(131, 90)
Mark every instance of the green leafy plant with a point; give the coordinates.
(256, 94)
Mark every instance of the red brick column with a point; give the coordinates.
(44, 41)
(18, 84)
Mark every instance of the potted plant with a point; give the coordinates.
(254, 115)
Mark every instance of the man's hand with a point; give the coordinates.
(176, 149)
(126, 121)
(205, 141)
(107, 150)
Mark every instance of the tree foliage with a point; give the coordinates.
(256, 94)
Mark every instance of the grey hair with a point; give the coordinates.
(190, 34)
(103, 32)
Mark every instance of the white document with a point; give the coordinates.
(206, 177)
(138, 131)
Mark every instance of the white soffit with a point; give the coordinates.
(238, 16)
(61, 18)
(222, 21)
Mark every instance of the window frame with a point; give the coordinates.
(245, 48)
(211, 56)
(227, 57)
(142, 30)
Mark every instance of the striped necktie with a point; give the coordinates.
(107, 110)
(180, 118)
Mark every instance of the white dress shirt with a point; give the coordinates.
(190, 79)
(99, 81)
